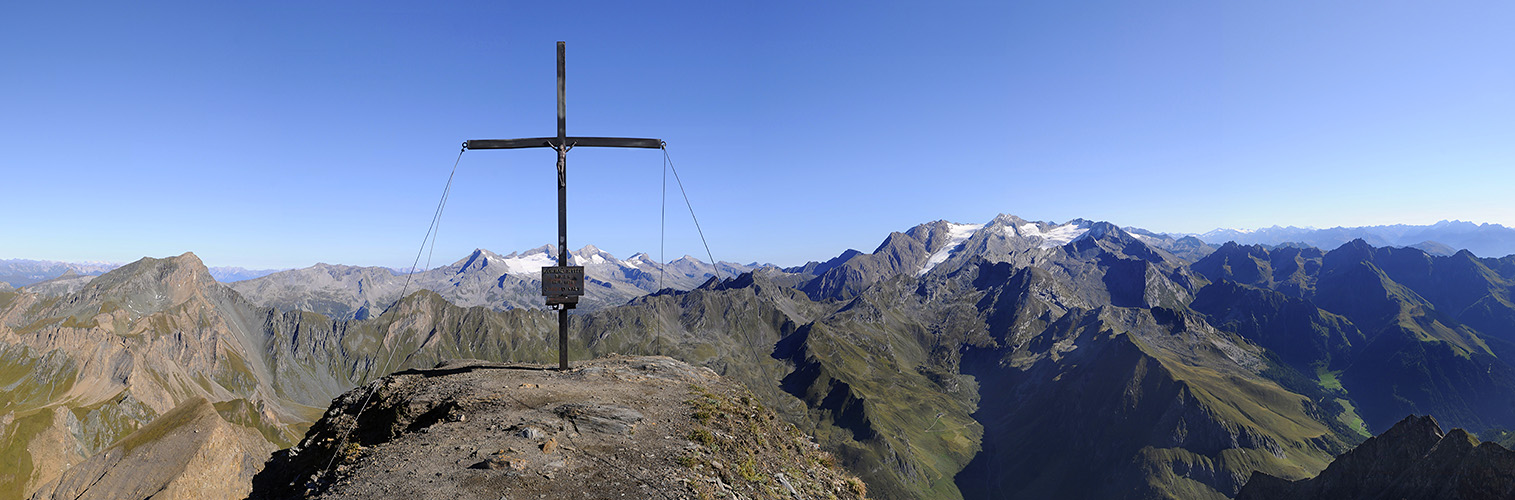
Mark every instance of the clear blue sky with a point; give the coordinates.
(280, 134)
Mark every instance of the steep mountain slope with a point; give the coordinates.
(1302, 334)
(1434, 331)
(815, 268)
(913, 251)
(881, 373)
(1420, 359)
(1411, 460)
(1263, 298)
(188, 453)
(881, 381)
(1187, 248)
(85, 369)
(1078, 308)
(1100, 366)
(1289, 270)
(483, 278)
(1175, 411)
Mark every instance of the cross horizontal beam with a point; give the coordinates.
(577, 142)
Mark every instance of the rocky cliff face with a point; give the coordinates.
(632, 427)
(1414, 459)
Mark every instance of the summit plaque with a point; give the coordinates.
(562, 281)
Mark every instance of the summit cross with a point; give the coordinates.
(562, 285)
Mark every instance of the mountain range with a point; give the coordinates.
(24, 272)
(1442, 238)
(482, 278)
(1008, 358)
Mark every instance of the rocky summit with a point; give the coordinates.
(615, 427)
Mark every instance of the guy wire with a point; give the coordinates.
(431, 231)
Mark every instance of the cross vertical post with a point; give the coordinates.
(563, 199)
(563, 284)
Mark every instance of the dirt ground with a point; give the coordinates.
(615, 427)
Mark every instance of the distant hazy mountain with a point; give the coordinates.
(68, 282)
(230, 274)
(23, 272)
(483, 278)
(1484, 240)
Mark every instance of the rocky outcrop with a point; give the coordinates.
(615, 427)
(187, 453)
(1412, 460)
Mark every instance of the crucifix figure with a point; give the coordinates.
(563, 284)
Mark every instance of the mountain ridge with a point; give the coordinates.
(926, 381)
(482, 278)
(25, 272)
(1486, 240)
(1413, 459)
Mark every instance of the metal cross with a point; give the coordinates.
(563, 284)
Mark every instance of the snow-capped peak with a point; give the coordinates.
(639, 259)
(956, 235)
(1051, 236)
(547, 250)
(528, 262)
(592, 255)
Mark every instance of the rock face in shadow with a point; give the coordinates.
(615, 427)
(1412, 460)
(187, 453)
